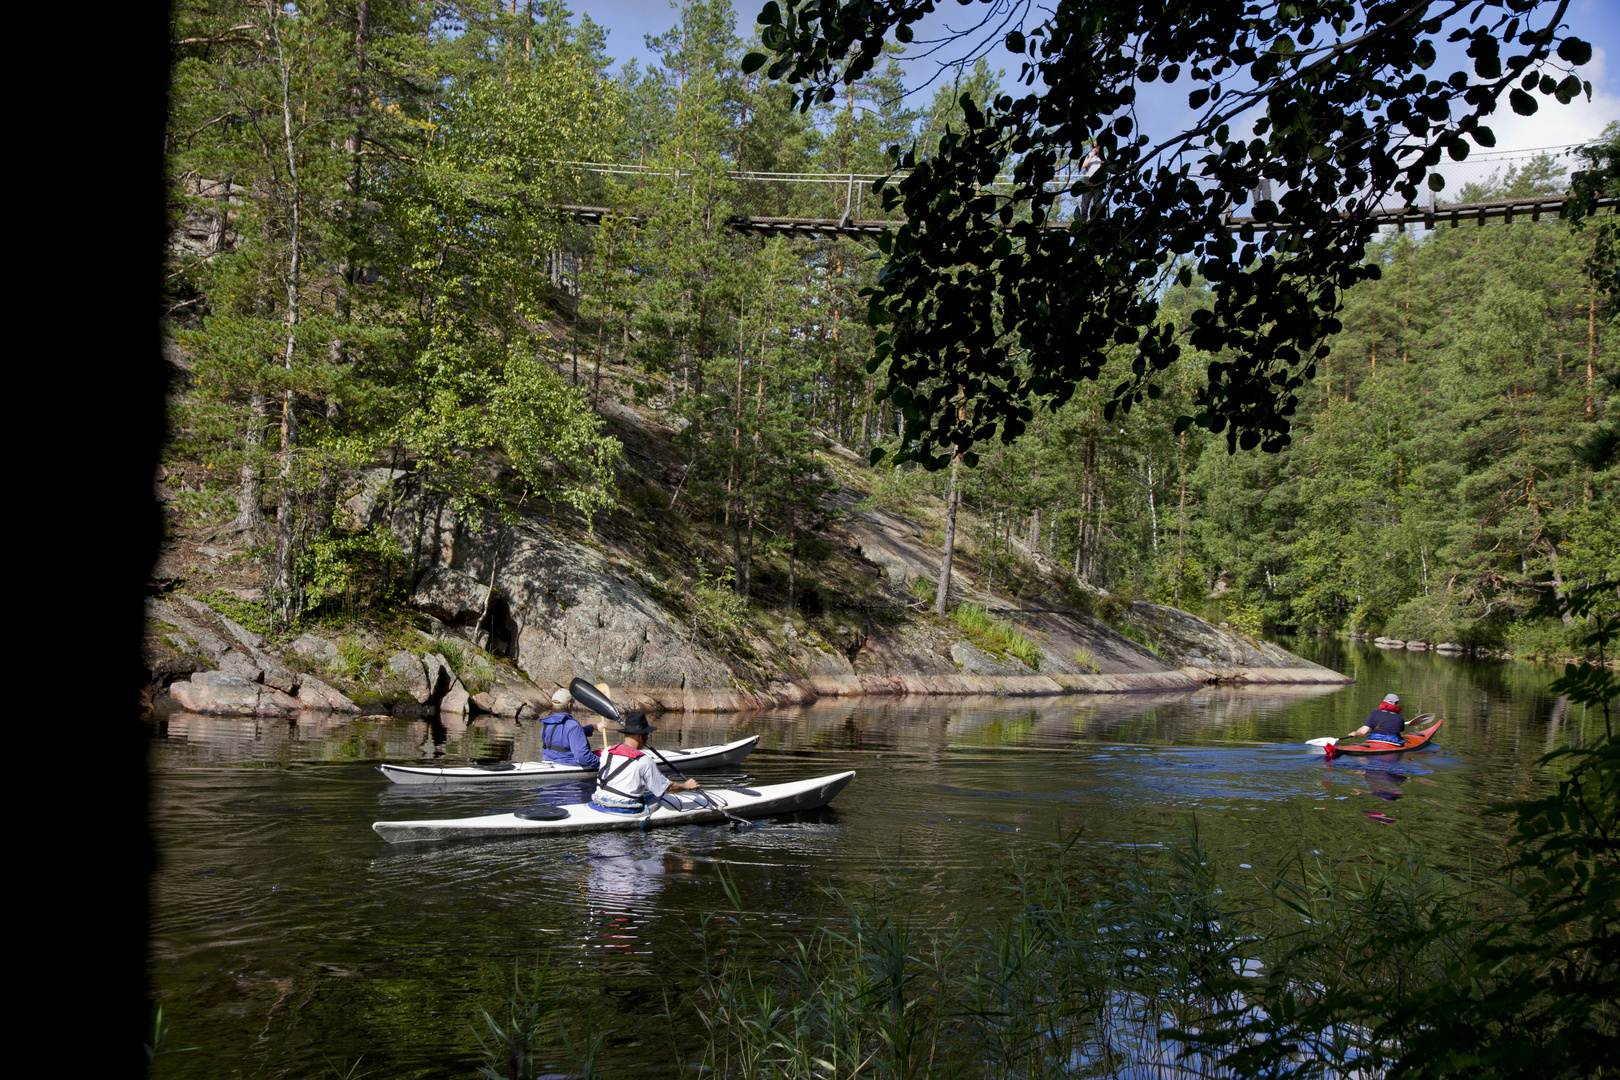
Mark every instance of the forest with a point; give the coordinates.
(369, 267)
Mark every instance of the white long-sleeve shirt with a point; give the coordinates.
(631, 776)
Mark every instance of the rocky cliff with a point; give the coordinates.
(500, 614)
(490, 615)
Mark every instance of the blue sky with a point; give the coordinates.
(1598, 21)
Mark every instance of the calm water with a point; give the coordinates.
(287, 939)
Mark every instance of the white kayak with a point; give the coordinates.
(718, 756)
(678, 808)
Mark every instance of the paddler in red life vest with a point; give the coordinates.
(1385, 724)
(628, 779)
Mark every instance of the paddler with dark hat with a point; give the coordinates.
(628, 778)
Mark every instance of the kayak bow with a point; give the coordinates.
(1411, 740)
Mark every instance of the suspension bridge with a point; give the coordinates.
(842, 206)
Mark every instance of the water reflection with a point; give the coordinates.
(285, 934)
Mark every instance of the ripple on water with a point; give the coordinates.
(286, 935)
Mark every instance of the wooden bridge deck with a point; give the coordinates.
(1497, 211)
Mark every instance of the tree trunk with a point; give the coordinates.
(249, 496)
(1181, 521)
(793, 547)
(746, 583)
(283, 586)
(1087, 557)
(1153, 515)
(942, 595)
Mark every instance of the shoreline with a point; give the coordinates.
(815, 688)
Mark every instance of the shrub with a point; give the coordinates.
(1239, 614)
(924, 589)
(1543, 637)
(717, 610)
(354, 659)
(350, 571)
(452, 654)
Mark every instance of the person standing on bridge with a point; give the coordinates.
(1090, 166)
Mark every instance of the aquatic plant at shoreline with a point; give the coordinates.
(512, 1040)
(1370, 964)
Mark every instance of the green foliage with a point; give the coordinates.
(1180, 581)
(970, 354)
(354, 660)
(351, 571)
(996, 636)
(1542, 638)
(717, 610)
(923, 588)
(1239, 614)
(553, 437)
(256, 616)
(1086, 661)
(453, 656)
(511, 1041)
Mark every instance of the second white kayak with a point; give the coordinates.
(718, 756)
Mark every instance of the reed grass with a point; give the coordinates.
(1157, 966)
(996, 635)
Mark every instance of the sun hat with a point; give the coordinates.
(636, 724)
(560, 698)
(1391, 699)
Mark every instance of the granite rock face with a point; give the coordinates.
(451, 595)
(562, 610)
(191, 636)
(1217, 654)
(561, 607)
(220, 693)
(406, 671)
(314, 694)
(315, 648)
(975, 661)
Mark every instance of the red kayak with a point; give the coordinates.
(1411, 740)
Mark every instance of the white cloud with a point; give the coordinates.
(1557, 125)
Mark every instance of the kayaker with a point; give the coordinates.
(564, 739)
(1385, 724)
(628, 779)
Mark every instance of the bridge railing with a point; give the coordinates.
(843, 203)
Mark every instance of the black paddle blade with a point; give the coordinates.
(593, 699)
(541, 813)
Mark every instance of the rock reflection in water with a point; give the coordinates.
(272, 873)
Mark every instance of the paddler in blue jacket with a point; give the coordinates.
(564, 739)
(1385, 724)
(628, 779)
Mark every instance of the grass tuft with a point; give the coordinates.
(996, 636)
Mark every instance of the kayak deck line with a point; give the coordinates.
(718, 756)
(690, 808)
(1410, 740)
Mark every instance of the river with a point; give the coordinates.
(288, 940)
